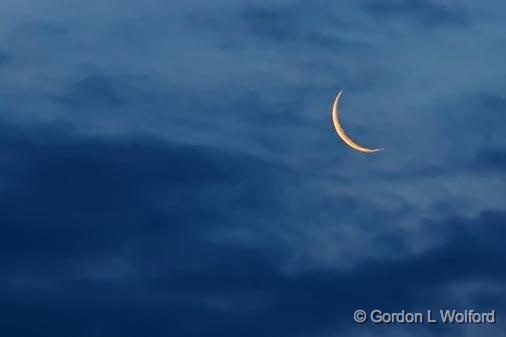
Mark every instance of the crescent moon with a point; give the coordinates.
(347, 140)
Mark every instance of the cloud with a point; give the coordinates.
(137, 227)
(490, 160)
(72, 182)
(291, 26)
(4, 59)
(426, 12)
(269, 23)
(93, 91)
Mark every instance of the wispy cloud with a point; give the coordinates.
(427, 12)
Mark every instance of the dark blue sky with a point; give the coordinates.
(169, 168)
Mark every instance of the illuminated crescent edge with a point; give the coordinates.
(347, 140)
